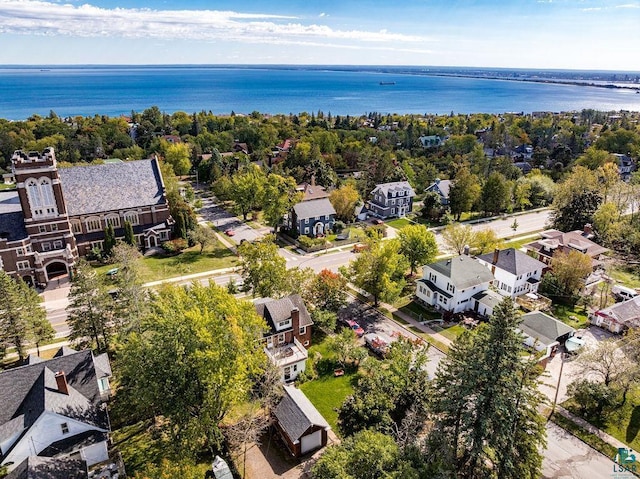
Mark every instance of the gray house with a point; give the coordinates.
(315, 214)
(441, 187)
(390, 200)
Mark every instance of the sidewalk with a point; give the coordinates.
(188, 277)
(591, 428)
(42, 348)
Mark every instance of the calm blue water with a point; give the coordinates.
(118, 90)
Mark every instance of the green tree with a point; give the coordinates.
(390, 396)
(456, 236)
(418, 245)
(464, 193)
(366, 455)
(571, 269)
(576, 200)
(196, 358)
(247, 190)
(132, 298)
(129, 237)
(344, 201)
(202, 235)
(594, 158)
(486, 240)
(109, 240)
(485, 401)
(264, 271)
(279, 195)
(379, 270)
(605, 221)
(345, 346)
(521, 194)
(177, 155)
(325, 320)
(495, 193)
(22, 318)
(90, 310)
(327, 291)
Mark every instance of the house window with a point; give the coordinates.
(42, 229)
(132, 217)
(164, 235)
(295, 367)
(393, 202)
(41, 198)
(22, 265)
(97, 245)
(57, 244)
(93, 224)
(306, 343)
(46, 246)
(393, 210)
(113, 221)
(303, 330)
(54, 227)
(76, 226)
(65, 428)
(29, 249)
(283, 324)
(306, 230)
(281, 338)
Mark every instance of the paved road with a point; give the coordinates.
(567, 457)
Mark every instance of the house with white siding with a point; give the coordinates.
(516, 273)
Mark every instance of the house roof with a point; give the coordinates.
(35, 467)
(463, 271)
(11, 217)
(111, 187)
(577, 240)
(489, 298)
(543, 327)
(312, 191)
(296, 414)
(513, 261)
(626, 312)
(395, 187)
(274, 310)
(28, 391)
(313, 208)
(442, 186)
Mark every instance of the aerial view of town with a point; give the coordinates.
(319, 240)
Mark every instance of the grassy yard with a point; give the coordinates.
(452, 332)
(574, 317)
(417, 311)
(623, 423)
(7, 187)
(327, 392)
(400, 223)
(625, 275)
(519, 242)
(190, 261)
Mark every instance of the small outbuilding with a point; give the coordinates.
(544, 333)
(301, 426)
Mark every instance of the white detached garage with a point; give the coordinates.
(301, 426)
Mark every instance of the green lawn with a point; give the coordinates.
(452, 332)
(327, 393)
(518, 243)
(623, 274)
(400, 223)
(623, 423)
(190, 261)
(419, 312)
(574, 317)
(7, 187)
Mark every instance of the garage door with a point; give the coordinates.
(312, 441)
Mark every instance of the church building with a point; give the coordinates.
(57, 215)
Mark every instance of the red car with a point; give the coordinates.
(230, 232)
(356, 328)
(377, 221)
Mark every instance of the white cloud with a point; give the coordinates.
(629, 5)
(35, 17)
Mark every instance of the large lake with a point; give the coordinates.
(69, 91)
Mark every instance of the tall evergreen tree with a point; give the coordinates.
(109, 240)
(485, 403)
(90, 307)
(22, 318)
(129, 237)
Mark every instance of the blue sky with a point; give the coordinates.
(565, 34)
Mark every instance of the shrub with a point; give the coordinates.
(174, 246)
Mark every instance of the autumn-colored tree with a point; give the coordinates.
(344, 201)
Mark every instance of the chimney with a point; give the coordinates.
(313, 180)
(588, 229)
(61, 381)
(496, 255)
(466, 250)
(295, 320)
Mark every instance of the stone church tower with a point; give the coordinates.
(45, 214)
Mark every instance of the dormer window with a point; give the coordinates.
(64, 427)
(284, 324)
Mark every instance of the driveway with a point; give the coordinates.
(223, 221)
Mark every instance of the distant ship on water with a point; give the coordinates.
(387, 83)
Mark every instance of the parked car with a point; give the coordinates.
(623, 293)
(377, 343)
(230, 232)
(355, 327)
(377, 221)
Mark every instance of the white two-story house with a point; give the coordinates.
(450, 284)
(516, 273)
